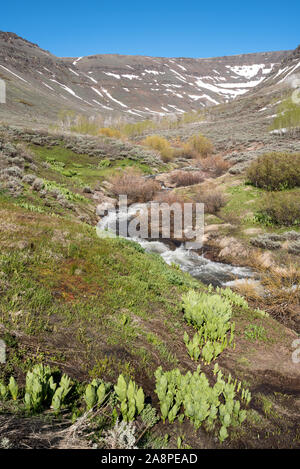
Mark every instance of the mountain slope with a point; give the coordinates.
(40, 84)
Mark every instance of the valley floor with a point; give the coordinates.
(99, 308)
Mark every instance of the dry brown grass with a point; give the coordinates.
(132, 184)
(283, 283)
(249, 289)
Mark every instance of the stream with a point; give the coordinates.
(209, 272)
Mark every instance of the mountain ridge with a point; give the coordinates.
(40, 84)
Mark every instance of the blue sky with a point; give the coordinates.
(169, 28)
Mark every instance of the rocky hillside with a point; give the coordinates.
(286, 71)
(40, 84)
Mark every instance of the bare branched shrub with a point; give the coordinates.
(185, 151)
(25, 152)
(186, 178)
(132, 184)
(212, 199)
(169, 197)
(216, 164)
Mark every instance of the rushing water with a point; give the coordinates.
(197, 265)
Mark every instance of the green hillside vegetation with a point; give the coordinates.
(288, 116)
(99, 330)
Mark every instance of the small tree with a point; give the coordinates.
(201, 145)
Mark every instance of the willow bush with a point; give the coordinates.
(275, 171)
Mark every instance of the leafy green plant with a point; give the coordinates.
(223, 434)
(90, 396)
(4, 392)
(13, 388)
(30, 207)
(193, 346)
(210, 315)
(131, 398)
(149, 416)
(232, 297)
(181, 444)
(199, 401)
(39, 387)
(255, 332)
(61, 392)
(69, 195)
(96, 393)
(209, 312)
(104, 164)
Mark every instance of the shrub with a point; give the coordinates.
(12, 185)
(282, 208)
(264, 242)
(294, 247)
(137, 128)
(288, 115)
(38, 184)
(169, 197)
(201, 145)
(212, 199)
(13, 171)
(24, 152)
(85, 125)
(29, 178)
(186, 151)
(121, 436)
(186, 178)
(291, 235)
(109, 132)
(132, 184)
(161, 145)
(216, 164)
(275, 171)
